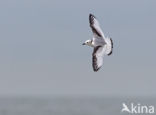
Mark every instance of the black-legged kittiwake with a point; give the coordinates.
(102, 45)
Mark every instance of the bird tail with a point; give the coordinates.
(109, 46)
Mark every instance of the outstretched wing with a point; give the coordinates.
(97, 57)
(94, 24)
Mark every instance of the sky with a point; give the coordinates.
(41, 52)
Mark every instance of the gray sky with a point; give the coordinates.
(41, 51)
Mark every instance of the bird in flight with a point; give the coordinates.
(102, 45)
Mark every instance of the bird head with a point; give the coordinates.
(88, 42)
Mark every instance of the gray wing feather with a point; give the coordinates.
(97, 58)
(94, 24)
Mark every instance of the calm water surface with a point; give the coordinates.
(68, 106)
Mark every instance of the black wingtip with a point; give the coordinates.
(91, 15)
(95, 70)
(91, 18)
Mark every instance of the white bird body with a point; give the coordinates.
(102, 46)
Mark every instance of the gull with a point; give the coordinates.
(101, 45)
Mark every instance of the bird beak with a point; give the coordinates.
(83, 44)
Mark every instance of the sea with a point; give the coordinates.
(71, 105)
